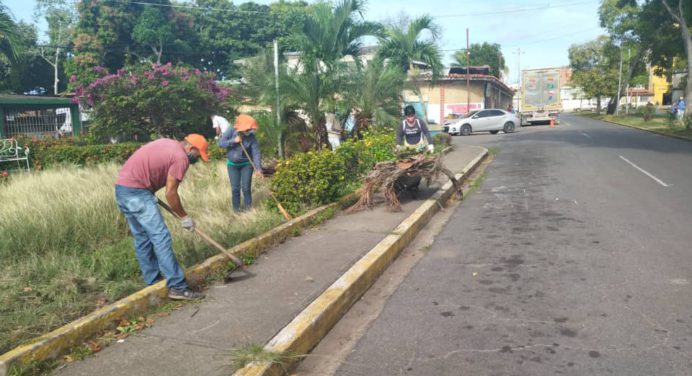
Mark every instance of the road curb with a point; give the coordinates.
(306, 330)
(53, 344)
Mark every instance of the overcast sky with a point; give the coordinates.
(542, 30)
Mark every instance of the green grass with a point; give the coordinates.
(659, 123)
(245, 355)
(65, 248)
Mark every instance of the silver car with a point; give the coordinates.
(490, 120)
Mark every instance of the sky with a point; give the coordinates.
(531, 33)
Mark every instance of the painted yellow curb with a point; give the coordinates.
(313, 323)
(55, 343)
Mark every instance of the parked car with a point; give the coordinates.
(490, 120)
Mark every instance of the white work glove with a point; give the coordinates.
(187, 223)
(431, 148)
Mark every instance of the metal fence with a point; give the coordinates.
(34, 122)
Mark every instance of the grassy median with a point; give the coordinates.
(660, 123)
(65, 248)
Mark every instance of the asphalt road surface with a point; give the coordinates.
(574, 257)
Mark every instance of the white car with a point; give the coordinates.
(490, 120)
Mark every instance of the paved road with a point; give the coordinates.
(574, 257)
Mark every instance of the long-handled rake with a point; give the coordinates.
(278, 204)
(236, 260)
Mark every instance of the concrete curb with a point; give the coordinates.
(55, 343)
(313, 323)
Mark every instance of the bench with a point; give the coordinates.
(11, 152)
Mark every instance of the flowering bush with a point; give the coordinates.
(159, 100)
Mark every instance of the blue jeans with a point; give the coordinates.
(153, 243)
(241, 179)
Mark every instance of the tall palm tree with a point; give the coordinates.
(8, 35)
(328, 35)
(405, 45)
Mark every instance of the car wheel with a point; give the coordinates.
(493, 132)
(465, 130)
(509, 127)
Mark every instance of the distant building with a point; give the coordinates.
(448, 96)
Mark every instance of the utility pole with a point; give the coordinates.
(617, 100)
(278, 111)
(627, 84)
(468, 64)
(519, 52)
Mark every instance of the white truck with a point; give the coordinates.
(540, 96)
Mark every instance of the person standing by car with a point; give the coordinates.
(413, 132)
(240, 142)
(158, 164)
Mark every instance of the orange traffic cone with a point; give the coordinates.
(552, 123)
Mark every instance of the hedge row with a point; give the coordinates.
(316, 178)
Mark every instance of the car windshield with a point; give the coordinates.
(470, 114)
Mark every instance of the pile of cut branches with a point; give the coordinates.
(388, 175)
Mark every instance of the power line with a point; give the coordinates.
(518, 10)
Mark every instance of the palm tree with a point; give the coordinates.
(8, 35)
(328, 35)
(376, 94)
(405, 45)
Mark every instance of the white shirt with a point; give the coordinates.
(220, 122)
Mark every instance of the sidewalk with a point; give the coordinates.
(199, 338)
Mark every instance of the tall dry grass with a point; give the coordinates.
(65, 247)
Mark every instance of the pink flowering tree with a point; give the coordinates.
(152, 100)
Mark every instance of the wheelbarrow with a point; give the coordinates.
(409, 184)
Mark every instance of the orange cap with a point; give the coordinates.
(245, 123)
(198, 141)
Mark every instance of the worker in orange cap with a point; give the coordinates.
(243, 156)
(158, 164)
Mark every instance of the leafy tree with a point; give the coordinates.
(159, 100)
(594, 66)
(621, 19)
(153, 30)
(61, 17)
(683, 18)
(482, 54)
(103, 37)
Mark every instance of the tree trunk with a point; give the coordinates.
(614, 102)
(55, 72)
(687, 41)
(679, 17)
(598, 104)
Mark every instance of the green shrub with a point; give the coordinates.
(50, 153)
(309, 179)
(647, 112)
(316, 178)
